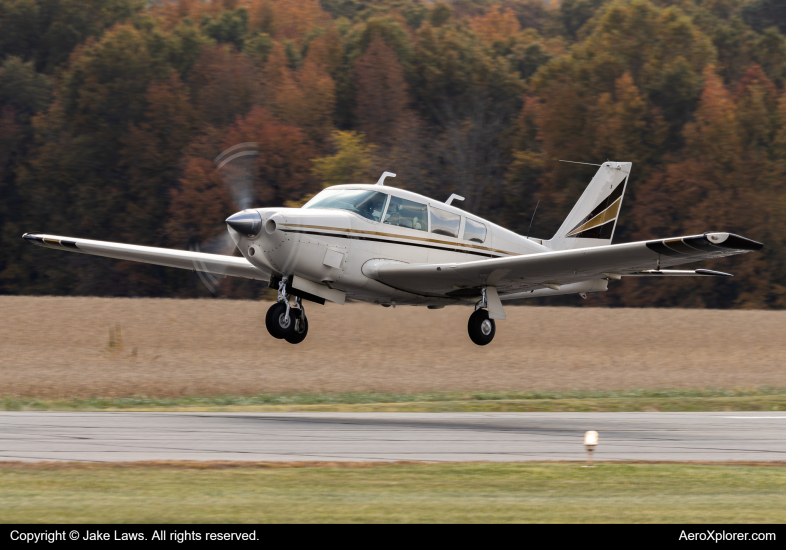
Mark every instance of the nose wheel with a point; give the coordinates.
(285, 322)
(481, 329)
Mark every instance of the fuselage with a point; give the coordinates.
(338, 242)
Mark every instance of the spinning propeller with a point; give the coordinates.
(236, 167)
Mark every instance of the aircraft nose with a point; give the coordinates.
(247, 222)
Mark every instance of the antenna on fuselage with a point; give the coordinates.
(532, 219)
(454, 196)
(381, 180)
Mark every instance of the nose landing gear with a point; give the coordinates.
(300, 327)
(285, 322)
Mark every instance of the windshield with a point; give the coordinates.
(368, 204)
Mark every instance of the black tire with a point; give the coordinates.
(274, 318)
(300, 328)
(481, 329)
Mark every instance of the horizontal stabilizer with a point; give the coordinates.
(678, 273)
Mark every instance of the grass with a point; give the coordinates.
(463, 492)
(675, 400)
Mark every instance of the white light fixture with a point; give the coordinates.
(590, 440)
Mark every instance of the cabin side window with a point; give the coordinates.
(444, 223)
(409, 214)
(474, 231)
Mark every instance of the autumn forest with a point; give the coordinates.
(112, 111)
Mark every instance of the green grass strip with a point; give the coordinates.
(755, 399)
(399, 493)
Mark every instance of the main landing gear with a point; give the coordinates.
(285, 322)
(481, 329)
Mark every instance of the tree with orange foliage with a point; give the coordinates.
(199, 204)
(225, 83)
(327, 51)
(151, 155)
(305, 97)
(382, 105)
(496, 25)
(293, 19)
(283, 168)
(703, 190)
(202, 199)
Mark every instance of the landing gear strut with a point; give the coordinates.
(481, 329)
(285, 322)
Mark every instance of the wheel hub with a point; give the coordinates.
(485, 327)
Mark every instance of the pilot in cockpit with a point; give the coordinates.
(372, 208)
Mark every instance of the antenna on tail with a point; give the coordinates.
(587, 163)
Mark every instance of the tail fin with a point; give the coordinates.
(594, 218)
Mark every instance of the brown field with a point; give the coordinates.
(62, 347)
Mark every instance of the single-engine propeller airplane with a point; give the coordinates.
(388, 246)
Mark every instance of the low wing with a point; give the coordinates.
(195, 261)
(516, 274)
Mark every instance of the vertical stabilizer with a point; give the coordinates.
(594, 218)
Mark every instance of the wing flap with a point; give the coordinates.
(182, 259)
(550, 270)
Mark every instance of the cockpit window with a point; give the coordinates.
(406, 213)
(474, 231)
(369, 204)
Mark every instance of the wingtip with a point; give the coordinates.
(712, 273)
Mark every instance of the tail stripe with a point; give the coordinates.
(606, 210)
(608, 215)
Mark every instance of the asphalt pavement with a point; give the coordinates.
(134, 436)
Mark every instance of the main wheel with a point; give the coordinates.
(481, 329)
(299, 329)
(276, 325)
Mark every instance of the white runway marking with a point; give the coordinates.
(117, 436)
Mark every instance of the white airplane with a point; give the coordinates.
(387, 246)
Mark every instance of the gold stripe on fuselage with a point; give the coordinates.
(393, 235)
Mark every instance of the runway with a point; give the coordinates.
(117, 436)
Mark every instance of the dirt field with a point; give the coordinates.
(65, 347)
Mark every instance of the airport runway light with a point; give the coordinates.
(590, 440)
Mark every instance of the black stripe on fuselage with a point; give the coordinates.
(355, 237)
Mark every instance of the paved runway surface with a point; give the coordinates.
(107, 437)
